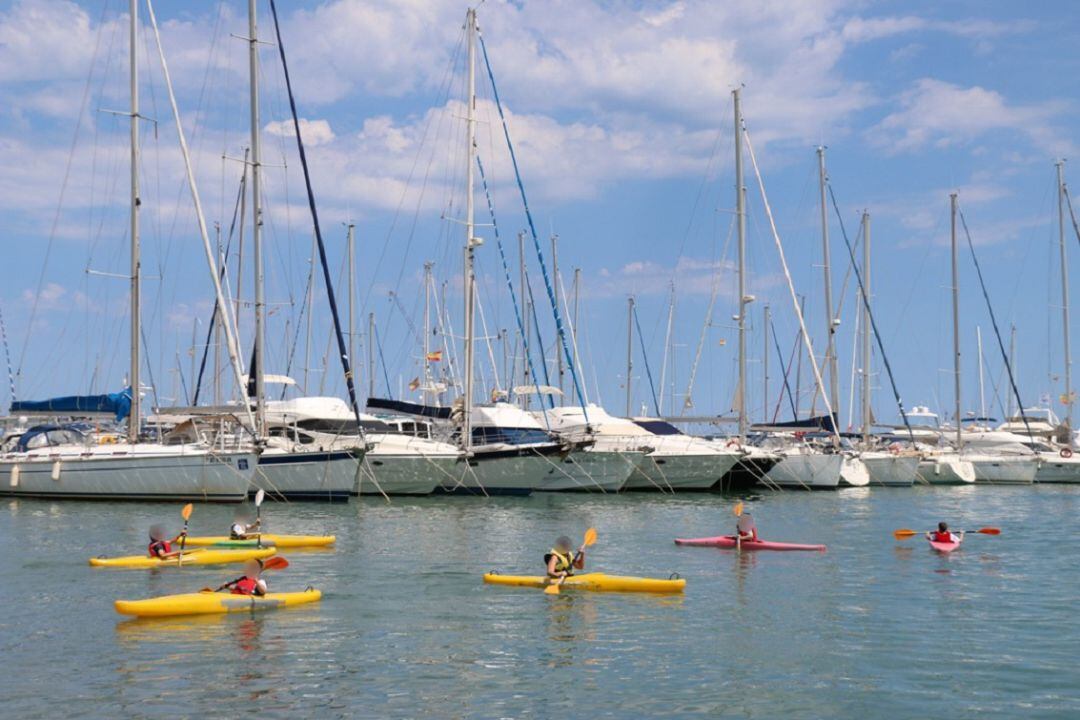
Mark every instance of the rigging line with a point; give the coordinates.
(870, 314)
(790, 282)
(532, 229)
(509, 282)
(786, 368)
(7, 356)
(386, 376)
(304, 310)
(708, 318)
(645, 356)
(346, 361)
(444, 90)
(540, 342)
(993, 322)
(63, 192)
(1072, 213)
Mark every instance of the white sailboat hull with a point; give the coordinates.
(308, 475)
(668, 471)
(129, 472)
(517, 471)
(809, 471)
(888, 470)
(1003, 469)
(946, 470)
(405, 474)
(1056, 469)
(592, 470)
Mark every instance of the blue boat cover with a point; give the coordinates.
(117, 403)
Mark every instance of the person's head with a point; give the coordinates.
(252, 569)
(563, 544)
(157, 533)
(943, 527)
(240, 517)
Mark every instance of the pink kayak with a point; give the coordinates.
(728, 541)
(944, 547)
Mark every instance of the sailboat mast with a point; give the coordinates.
(256, 224)
(574, 332)
(1012, 364)
(982, 382)
(765, 362)
(629, 351)
(351, 242)
(866, 421)
(955, 316)
(525, 320)
(1064, 294)
(371, 355)
(427, 326)
(830, 326)
(135, 419)
(555, 274)
(470, 241)
(740, 213)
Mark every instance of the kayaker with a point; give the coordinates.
(251, 583)
(561, 560)
(943, 535)
(240, 529)
(746, 529)
(159, 546)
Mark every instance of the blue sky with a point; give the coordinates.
(622, 117)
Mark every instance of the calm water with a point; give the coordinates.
(871, 629)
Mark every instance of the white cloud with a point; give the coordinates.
(314, 132)
(938, 114)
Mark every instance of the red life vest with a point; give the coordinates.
(159, 547)
(943, 537)
(245, 586)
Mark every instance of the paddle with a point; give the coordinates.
(275, 563)
(738, 535)
(259, 497)
(590, 539)
(186, 514)
(905, 533)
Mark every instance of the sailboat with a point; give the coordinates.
(77, 460)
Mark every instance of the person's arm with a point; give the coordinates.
(579, 559)
(551, 568)
(960, 535)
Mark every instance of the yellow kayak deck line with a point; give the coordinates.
(596, 582)
(282, 541)
(198, 556)
(211, 603)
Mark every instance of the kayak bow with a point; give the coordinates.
(596, 582)
(209, 603)
(200, 557)
(728, 541)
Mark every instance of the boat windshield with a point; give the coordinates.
(658, 427)
(488, 435)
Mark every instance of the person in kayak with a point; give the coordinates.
(241, 529)
(943, 535)
(159, 547)
(746, 529)
(251, 583)
(561, 560)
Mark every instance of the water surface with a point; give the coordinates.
(871, 629)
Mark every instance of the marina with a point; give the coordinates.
(373, 359)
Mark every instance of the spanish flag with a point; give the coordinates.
(414, 383)
(434, 356)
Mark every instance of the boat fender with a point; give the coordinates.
(1066, 452)
(15, 476)
(56, 470)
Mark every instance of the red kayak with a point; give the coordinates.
(728, 541)
(944, 547)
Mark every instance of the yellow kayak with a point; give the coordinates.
(282, 541)
(198, 556)
(597, 582)
(209, 603)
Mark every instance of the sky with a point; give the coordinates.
(622, 123)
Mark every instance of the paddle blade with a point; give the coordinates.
(259, 497)
(738, 509)
(590, 537)
(276, 563)
(989, 531)
(186, 512)
(552, 589)
(904, 533)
